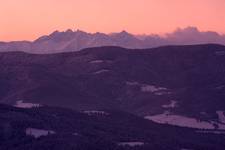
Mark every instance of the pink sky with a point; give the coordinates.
(28, 19)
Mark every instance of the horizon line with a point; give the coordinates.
(162, 35)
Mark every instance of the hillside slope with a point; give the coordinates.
(182, 80)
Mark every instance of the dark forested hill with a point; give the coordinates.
(180, 80)
(63, 129)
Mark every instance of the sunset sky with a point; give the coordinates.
(28, 19)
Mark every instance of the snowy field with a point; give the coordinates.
(183, 121)
(21, 104)
(38, 132)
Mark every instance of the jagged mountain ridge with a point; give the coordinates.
(73, 41)
(76, 40)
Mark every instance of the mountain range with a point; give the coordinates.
(76, 40)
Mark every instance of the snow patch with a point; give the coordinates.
(132, 83)
(155, 89)
(212, 131)
(220, 87)
(162, 93)
(220, 126)
(131, 144)
(221, 116)
(38, 132)
(183, 121)
(95, 112)
(203, 113)
(220, 53)
(150, 88)
(21, 104)
(101, 71)
(75, 134)
(172, 104)
(96, 61)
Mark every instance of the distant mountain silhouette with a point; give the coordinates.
(77, 40)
